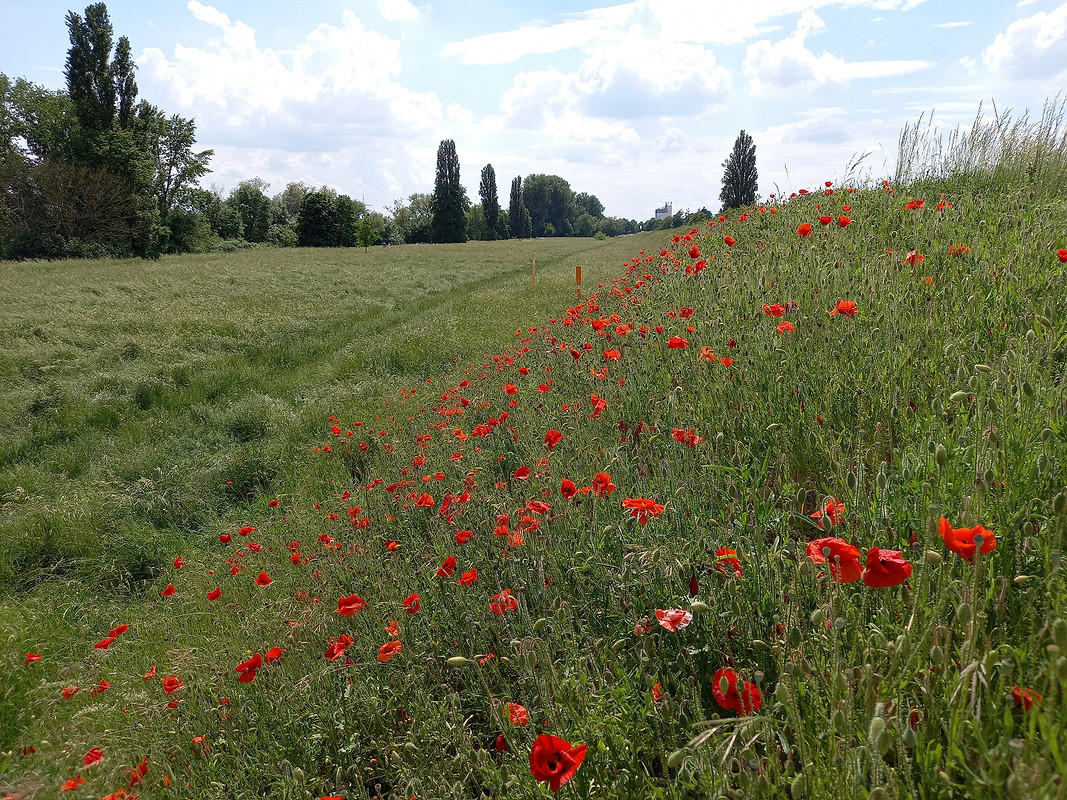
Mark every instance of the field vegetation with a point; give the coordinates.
(776, 511)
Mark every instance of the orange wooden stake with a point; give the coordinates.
(578, 278)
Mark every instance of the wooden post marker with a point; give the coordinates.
(533, 270)
(578, 278)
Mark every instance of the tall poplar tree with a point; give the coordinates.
(740, 181)
(490, 201)
(517, 213)
(449, 216)
(90, 79)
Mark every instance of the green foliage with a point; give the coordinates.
(250, 201)
(449, 200)
(517, 213)
(490, 202)
(90, 76)
(740, 180)
(368, 231)
(550, 201)
(415, 219)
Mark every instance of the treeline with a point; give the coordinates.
(93, 170)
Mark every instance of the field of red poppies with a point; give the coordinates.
(779, 511)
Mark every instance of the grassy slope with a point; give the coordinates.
(850, 408)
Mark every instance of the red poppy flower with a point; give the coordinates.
(885, 568)
(150, 674)
(100, 688)
(826, 220)
(347, 606)
(600, 405)
(503, 602)
(169, 591)
(913, 257)
(249, 669)
(843, 222)
(961, 540)
(602, 485)
(734, 694)
(413, 603)
(776, 310)
(448, 566)
(518, 715)
(224, 538)
(694, 252)
(388, 650)
(70, 691)
(804, 231)
(522, 473)
(729, 241)
(612, 355)
(72, 784)
(272, 655)
(462, 537)
(104, 644)
(214, 594)
(94, 756)
(726, 362)
(424, 501)
(912, 205)
(642, 509)
(511, 388)
(393, 629)
(247, 529)
(171, 684)
(552, 438)
(338, 646)
(179, 562)
(846, 307)
(726, 558)
(568, 489)
(468, 578)
(1061, 254)
(841, 554)
(118, 630)
(554, 760)
(1025, 698)
(674, 619)
(686, 437)
(785, 326)
(263, 579)
(834, 509)
(677, 343)
(32, 657)
(272, 504)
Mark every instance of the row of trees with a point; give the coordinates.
(92, 170)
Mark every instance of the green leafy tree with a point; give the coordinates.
(368, 231)
(122, 73)
(550, 202)
(251, 202)
(490, 201)
(316, 221)
(740, 181)
(449, 214)
(517, 213)
(89, 74)
(415, 218)
(590, 204)
(176, 168)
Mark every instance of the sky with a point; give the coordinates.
(636, 102)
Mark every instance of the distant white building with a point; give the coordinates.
(665, 212)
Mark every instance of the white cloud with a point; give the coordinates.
(947, 25)
(789, 66)
(398, 10)
(1032, 48)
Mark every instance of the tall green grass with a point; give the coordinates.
(944, 396)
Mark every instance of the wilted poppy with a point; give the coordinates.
(388, 650)
(674, 619)
(961, 540)
(885, 568)
(841, 555)
(554, 760)
(413, 602)
(347, 606)
(846, 307)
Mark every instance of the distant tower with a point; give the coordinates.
(665, 212)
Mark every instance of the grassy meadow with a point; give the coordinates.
(379, 520)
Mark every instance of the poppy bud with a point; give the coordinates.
(840, 683)
(964, 614)
(937, 656)
(1028, 390)
(799, 787)
(909, 739)
(674, 760)
(539, 626)
(458, 661)
(876, 729)
(1059, 633)
(1059, 503)
(983, 368)
(851, 481)
(802, 496)
(957, 397)
(882, 481)
(818, 616)
(781, 693)
(840, 722)
(941, 455)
